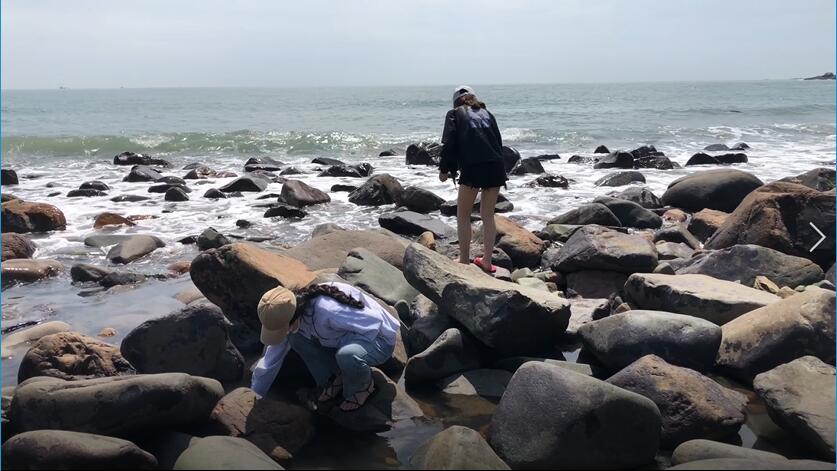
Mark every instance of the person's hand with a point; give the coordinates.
(443, 177)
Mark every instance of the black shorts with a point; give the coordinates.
(487, 175)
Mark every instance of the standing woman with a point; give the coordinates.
(473, 148)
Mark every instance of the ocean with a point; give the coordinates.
(58, 139)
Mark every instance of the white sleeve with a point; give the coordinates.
(268, 366)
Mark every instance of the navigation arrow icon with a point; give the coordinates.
(821, 235)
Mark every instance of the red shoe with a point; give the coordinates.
(478, 262)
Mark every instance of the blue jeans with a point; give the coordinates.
(353, 360)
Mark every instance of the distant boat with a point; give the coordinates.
(825, 76)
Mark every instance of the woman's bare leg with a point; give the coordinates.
(464, 208)
(489, 230)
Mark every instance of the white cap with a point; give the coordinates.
(462, 91)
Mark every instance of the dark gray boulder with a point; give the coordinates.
(143, 173)
(377, 191)
(285, 211)
(133, 247)
(300, 194)
(59, 449)
(132, 158)
(453, 352)
(550, 181)
(621, 179)
(8, 177)
(510, 158)
(528, 165)
(721, 189)
(412, 223)
(639, 195)
(176, 193)
(598, 248)
(420, 200)
(617, 159)
(248, 184)
(630, 214)
(601, 150)
(89, 193)
(820, 179)
(592, 213)
(425, 153)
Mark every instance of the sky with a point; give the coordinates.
(267, 43)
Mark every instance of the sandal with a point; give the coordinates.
(478, 262)
(333, 390)
(355, 402)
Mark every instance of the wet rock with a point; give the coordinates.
(420, 200)
(119, 279)
(716, 148)
(763, 339)
(245, 184)
(702, 159)
(425, 153)
(129, 198)
(596, 283)
(426, 329)
(510, 158)
(234, 277)
(82, 273)
(674, 250)
(504, 316)
(293, 171)
(342, 188)
(412, 223)
(678, 234)
(111, 219)
(617, 159)
(800, 398)
(8, 177)
(255, 164)
(20, 338)
(388, 153)
(820, 179)
(705, 222)
(550, 181)
(194, 341)
(482, 382)
(601, 150)
(176, 193)
(456, 447)
(589, 423)
(114, 406)
(299, 194)
(172, 180)
(377, 191)
(660, 162)
(58, 449)
(619, 340)
(23, 270)
(621, 179)
(285, 211)
(743, 263)
(17, 246)
(691, 405)
(214, 193)
(453, 352)
(330, 250)
(702, 296)
(24, 216)
(143, 173)
(700, 450)
(388, 405)
(376, 276)
(72, 356)
(630, 214)
(327, 161)
(523, 247)
(778, 216)
(85, 193)
(211, 239)
(592, 213)
(201, 172)
(133, 248)
(598, 248)
(223, 453)
(581, 160)
(350, 171)
(132, 158)
(276, 427)
(721, 189)
(528, 165)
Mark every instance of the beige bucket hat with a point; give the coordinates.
(276, 309)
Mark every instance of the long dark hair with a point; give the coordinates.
(471, 101)
(307, 294)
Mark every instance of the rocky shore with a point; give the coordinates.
(686, 313)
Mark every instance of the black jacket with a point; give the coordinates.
(470, 137)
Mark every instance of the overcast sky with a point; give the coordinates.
(182, 43)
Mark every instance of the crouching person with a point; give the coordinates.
(339, 331)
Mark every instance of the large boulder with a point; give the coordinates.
(621, 178)
(234, 277)
(800, 398)
(414, 224)
(456, 447)
(592, 213)
(343, 170)
(59, 449)
(553, 418)
(376, 276)
(523, 247)
(227, 453)
(779, 216)
(251, 184)
(420, 200)
(595, 283)
(453, 352)
(133, 248)
(701, 296)
(17, 246)
(820, 179)
(426, 329)
(24, 216)
(194, 341)
(116, 406)
(23, 270)
(505, 316)
(331, 249)
(298, 193)
(510, 158)
(721, 189)
(528, 165)
(631, 214)
(639, 195)
(275, 426)
(8, 177)
(425, 153)
(377, 191)
(763, 339)
(692, 405)
(598, 248)
(743, 263)
(73, 356)
(617, 159)
(619, 340)
(142, 173)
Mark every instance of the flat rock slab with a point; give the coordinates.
(330, 250)
(800, 398)
(701, 296)
(375, 275)
(700, 450)
(599, 248)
